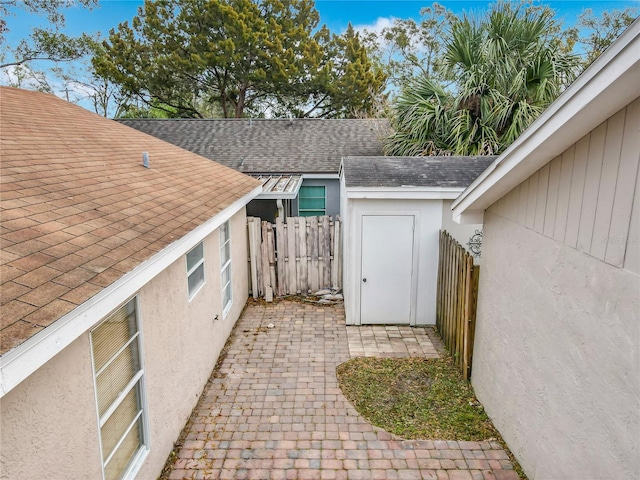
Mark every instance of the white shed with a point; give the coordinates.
(393, 209)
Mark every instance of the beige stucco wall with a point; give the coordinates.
(49, 423)
(557, 348)
(461, 232)
(182, 339)
(556, 355)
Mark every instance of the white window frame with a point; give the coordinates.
(225, 265)
(324, 197)
(193, 269)
(140, 377)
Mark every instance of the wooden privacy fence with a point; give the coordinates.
(299, 256)
(456, 301)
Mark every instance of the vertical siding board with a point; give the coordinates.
(632, 254)
(551, 208)
(625, 188)
(522, 203)
(591, 187)
(531, 203)
(564, 190)
(608, 180)
(541, 198)
(513, 201)
(578, 175)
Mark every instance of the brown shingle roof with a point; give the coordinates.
(78, 210)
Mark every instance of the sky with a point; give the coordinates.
(336, 14)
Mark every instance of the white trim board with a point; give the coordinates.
(607, 86)
(17, 364)
(404, 193)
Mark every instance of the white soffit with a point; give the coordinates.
(607, 86)
(17, 364)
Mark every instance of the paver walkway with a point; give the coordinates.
(274, 410)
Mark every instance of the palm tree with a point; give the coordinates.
(504, 70)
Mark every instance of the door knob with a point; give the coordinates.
(364, 280)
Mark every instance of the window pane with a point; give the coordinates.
(114, 428)
(194, 256)
(225, 253)
(113, 333)
(115, 377)
(311, 203)
(226, 296)
(224, 232)
(307, 192)
(196, 279)
(226, 275)
(125, 454)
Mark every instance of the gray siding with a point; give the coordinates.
(588, 197)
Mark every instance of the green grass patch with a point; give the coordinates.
(415, 398)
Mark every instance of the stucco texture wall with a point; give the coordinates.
(49, 423)
(182, 339)
(462, 233)
(556, 355)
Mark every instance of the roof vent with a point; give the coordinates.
(145, 159)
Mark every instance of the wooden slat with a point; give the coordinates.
(314, 281)
(326, 252)
(264, 250)
(455, 304)
(625, 188)
(272, 257)
(253, 256)
(281, 246)
(336, 259)
(303, 279)
(292, 278)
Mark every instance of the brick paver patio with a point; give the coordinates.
(274, 410)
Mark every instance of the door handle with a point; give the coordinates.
(364, 280)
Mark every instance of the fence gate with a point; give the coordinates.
(296, 257)
(456, 301)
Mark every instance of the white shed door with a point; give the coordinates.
(387, 265)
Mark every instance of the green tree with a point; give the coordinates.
(408, 49)
(594, 34)
(246, 57)
(503, 69)
(43, 44)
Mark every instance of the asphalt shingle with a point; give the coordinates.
(301, 145)
(453, 172)
(78, 210)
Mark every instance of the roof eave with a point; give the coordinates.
(19, 363)
(607, 86)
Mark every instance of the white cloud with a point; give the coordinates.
(377, 27)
